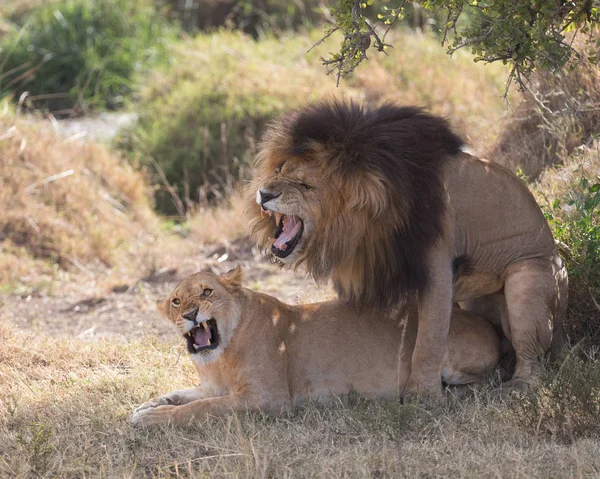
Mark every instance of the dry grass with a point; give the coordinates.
(558, 114)
(65, 201)
(66, 405)
(225, 222)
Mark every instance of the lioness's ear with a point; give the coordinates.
(163, 307)
(232, 280)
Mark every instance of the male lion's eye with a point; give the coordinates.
(176, 302)
(305, 186)
(207, 292)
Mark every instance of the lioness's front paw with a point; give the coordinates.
(159, 401)
(151, 415)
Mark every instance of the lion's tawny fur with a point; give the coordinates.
(393, 208)
(278, 355)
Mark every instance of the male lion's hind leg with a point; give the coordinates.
(535, 293)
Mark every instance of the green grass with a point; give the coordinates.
(73, 55)
(570, 197)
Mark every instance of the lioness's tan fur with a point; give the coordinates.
(277, 354)
(392, 207)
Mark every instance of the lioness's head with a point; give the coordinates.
(353, 193)
(205, 309)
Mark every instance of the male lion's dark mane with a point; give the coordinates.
(405, 146)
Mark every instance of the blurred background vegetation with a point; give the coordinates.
(201, 79)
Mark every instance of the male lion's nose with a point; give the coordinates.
(263, 196)
(191, 316)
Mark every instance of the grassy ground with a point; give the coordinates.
(66, 405)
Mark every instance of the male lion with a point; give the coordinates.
(254, 352)
(386, 204)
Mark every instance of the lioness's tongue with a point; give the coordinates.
(291, 228)
(201, 336)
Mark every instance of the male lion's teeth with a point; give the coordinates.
(277, 218)
(209, 342)
(197, 346)
(262, 213)
(204, 326)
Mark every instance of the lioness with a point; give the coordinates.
(386, 204)
(254, 352)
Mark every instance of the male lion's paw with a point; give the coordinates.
(149, 416)
(420, 393)
(513, 388)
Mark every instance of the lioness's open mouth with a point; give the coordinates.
(288, 231)
(202, 337)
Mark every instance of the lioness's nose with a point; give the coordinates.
(191, 316)
(262, 196)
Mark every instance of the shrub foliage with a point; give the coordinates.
(75, 54)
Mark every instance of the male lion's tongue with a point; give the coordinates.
(201, 336)
(291, 227)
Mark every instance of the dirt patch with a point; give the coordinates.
(77, 308)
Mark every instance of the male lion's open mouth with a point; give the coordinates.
(288, 231)
(202, 337)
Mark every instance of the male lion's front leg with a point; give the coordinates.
(201, 408)
(435, 309)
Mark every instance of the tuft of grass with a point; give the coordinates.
(65, 202)
(200, 119)
(567, 404)
(66, 407)
(72, 55)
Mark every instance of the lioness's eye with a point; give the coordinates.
(304, 185)
(207, 292)
(176, 302)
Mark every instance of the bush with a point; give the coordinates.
(201, 119)
(574, 216)
(255, 17)
(75, 54)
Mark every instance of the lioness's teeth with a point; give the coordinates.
(196, 346)
(277, 218)
(204, 326)
(209, 342)
(262, 213)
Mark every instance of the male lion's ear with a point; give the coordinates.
(163, 307)
(232, 280)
